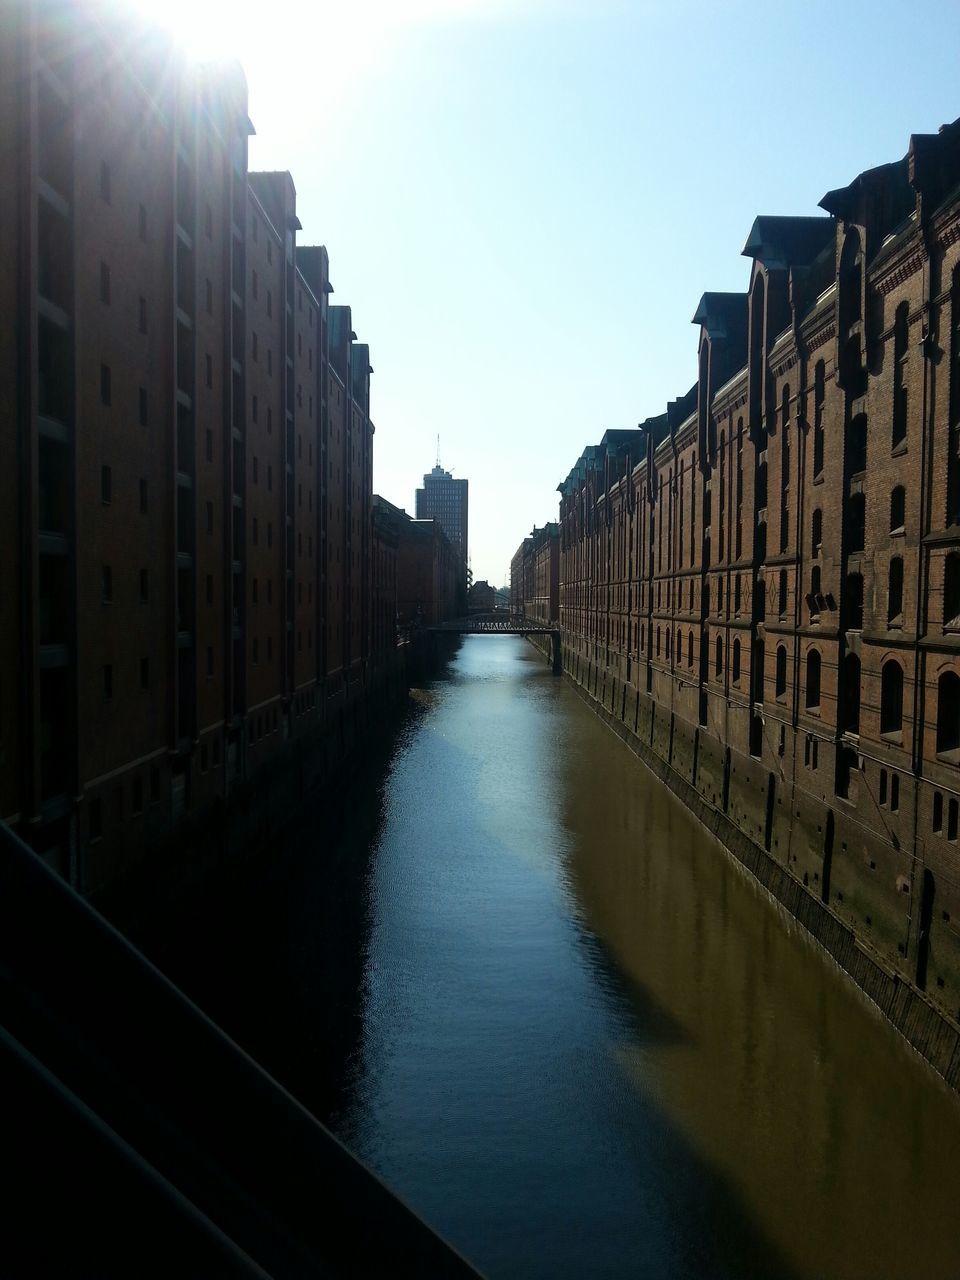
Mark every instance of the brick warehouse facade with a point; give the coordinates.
(760, 587)
(187, 506)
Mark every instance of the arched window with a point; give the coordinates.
(718, 666)
(691, 597)
(898, 508)
(948, 712)
(658, 642)
(815, 587)
(901, 353)
(762, 485)
(856, 522)
(669, 641)
(736, 662)
(781, 671)
(720, 596)
(895, 590)
(850, 695)
(679, 648)
(853, 602)
(690, 649)
(816, 536)
(951, 589)
(891, 697)
(813, 681)
(782, 593)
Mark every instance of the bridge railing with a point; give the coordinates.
(140, 1140)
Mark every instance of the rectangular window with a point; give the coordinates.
(104, 282)
(952, 816)
(143, 406)
(883, 788)
(105, 388)
(894, 793)
(937, 812)
(106, 485)
(143, 495)
(106, 584)
(143, 315)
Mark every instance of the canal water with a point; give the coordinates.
(521, 982)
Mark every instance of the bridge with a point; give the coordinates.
(501, 623)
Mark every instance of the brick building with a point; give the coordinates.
(763, 581)
(191, 585)
(535, 575)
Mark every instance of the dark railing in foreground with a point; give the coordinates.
(139, 1140)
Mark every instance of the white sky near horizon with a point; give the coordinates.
(523, 202)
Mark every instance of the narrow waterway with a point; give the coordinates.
(526, 988)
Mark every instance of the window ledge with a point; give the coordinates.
(949, 757)
(899, 450)
(895, 737)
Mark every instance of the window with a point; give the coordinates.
(106, 584)
(813, 681)
(142, 223)
(894, 793)
(143, 315)
(948, 712)
(895, 590)
(718, 661)
(736, 659)
(104, 181)
(816, 537)
(107, 676)
(106, 485)
(898, 509)
(104, 283)
(782, 594)
(891, 698)
(105, 389)
(689, 647)
(937, 823)
(142, 407)
(144, 673)
(781, 672)
(951, 589)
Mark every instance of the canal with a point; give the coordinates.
(520, 982)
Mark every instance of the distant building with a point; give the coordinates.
(481, 595)
(535, 575)
(428, 583)
(445, 499)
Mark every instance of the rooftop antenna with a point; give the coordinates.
(438, 448)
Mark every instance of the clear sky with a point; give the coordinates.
(524, 201)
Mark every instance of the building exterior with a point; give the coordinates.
(481, 596)
(763, 582)
(535, 576)
(191, 588)
(445, 499)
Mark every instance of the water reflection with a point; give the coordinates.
(526, 987)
